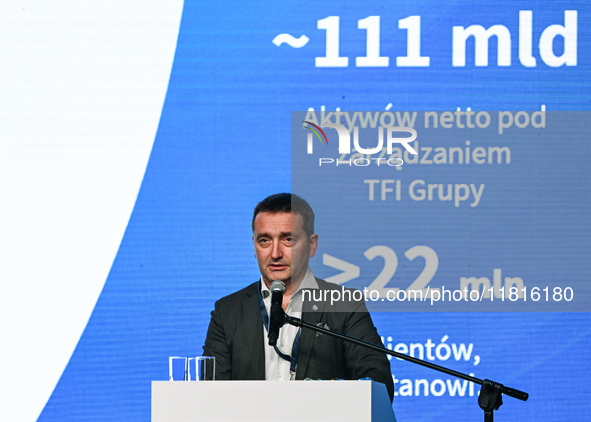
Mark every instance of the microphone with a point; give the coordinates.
(277, 317)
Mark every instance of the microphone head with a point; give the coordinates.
(277, 285)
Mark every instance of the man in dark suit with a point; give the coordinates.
(284, 241)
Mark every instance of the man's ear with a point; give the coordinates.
(254, 246)
(313, 244)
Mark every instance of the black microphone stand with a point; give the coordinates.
(489, 400)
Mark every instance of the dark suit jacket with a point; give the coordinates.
(235, 338)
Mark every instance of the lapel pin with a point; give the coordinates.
(321, 325)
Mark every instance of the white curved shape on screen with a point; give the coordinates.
(291, 40)
(82, 86)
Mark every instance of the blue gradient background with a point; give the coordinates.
(224, 143)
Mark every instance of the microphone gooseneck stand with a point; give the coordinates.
(489, 400)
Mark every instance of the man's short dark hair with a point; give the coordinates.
(287, 202)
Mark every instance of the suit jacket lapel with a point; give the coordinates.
(311, 313)
(253, 323)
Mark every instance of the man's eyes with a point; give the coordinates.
(287, 240)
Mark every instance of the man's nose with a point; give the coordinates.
(277, 251)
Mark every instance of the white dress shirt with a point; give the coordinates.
(277, 368)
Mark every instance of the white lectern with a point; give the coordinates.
(277, 401)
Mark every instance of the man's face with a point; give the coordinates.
(281, 246)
